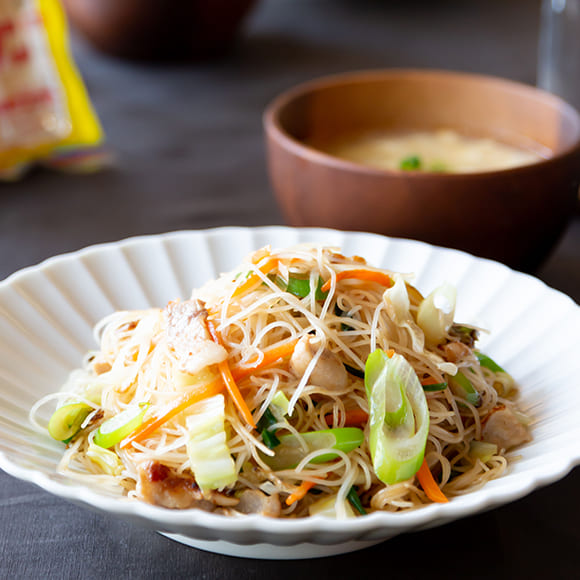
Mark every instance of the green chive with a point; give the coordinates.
(354, 500)
(354, 371)
(434, 387)
(264, 425)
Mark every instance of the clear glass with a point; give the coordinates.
(559, 49)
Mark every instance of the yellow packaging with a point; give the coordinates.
(45, 113)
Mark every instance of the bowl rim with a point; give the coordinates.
(274, 130)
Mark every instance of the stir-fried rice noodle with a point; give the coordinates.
(143, 357)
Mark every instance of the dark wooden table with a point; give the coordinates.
(190, 154)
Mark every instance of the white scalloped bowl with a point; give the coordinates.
(47, 313)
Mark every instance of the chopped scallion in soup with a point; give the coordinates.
(438, 151)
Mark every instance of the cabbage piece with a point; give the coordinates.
(107, 461)
(207, 448)
(482, 450)
(397, 303)
(436, 312)
(280, 405)
(331, 507)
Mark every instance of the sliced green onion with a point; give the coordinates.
(504, 383)
(462, 387)
(66, 421)
(489, 363)
(290, 451)
(115, 429)
(411, 163)
(398, 412)
(398, 417)
(355, 502)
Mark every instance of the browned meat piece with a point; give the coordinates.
(503, 428)
(160, 486)
(189, 337)
(329, 372)
(254, 501)
(455, 351)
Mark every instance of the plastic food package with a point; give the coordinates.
(45, 113)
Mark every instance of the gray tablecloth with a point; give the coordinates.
(190, 154)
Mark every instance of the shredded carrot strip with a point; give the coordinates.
(254, 279)
(270, 357)
(390, 353)
(300, 492)
(230, 382)
(215, 387)
(359, 274)
(429, 484)
(352, 417)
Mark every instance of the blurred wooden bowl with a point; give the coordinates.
(514, 215)
(160, 29)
